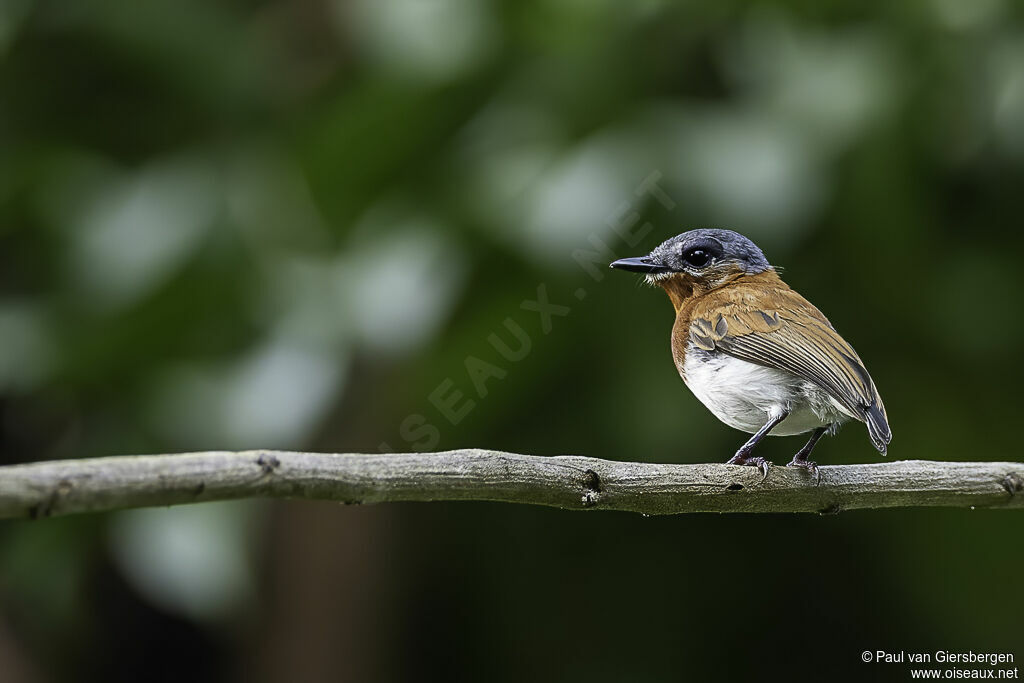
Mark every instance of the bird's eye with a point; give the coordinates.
(698, 258)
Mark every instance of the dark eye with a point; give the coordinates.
(698, 258)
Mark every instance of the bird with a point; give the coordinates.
(756, 353)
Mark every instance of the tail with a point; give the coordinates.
(878, 425)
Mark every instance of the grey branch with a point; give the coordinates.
(47, 489)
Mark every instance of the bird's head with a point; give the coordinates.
(698, 260)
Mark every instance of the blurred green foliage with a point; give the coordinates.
(286, 224)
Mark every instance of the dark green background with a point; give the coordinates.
(284, 224)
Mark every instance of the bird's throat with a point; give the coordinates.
(680, 288)
(684, 287)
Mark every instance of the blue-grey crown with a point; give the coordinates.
(725, 245)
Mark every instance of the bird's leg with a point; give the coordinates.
(800, 459)
(742, 456)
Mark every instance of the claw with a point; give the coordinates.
(760, 463)
(808, 465)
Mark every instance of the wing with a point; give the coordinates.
(780, 329)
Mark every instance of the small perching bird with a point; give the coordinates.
(761, 357)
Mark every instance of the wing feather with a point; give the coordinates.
(792, 335)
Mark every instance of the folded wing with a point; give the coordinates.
(780, 329)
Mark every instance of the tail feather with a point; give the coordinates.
(878, 426)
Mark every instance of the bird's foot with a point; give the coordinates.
(809, 465)
(756, 461)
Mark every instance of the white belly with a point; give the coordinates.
(745, 395)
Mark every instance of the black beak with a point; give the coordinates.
(641, 264)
